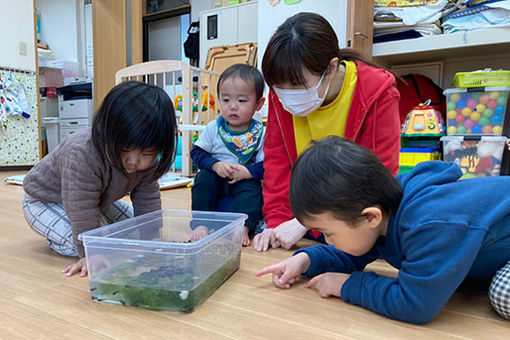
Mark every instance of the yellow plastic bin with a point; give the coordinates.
(413, 156)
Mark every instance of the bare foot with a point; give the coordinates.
(246, 238)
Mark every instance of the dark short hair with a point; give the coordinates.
(303, 41)
(338, 176)
(136, 115)
(245, 72)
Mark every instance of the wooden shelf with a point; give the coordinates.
(471, 43)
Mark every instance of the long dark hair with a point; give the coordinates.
(303, 40)
(136, 115)
(338, 176)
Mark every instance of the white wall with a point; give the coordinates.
(166, 38)
(17, 26)
(59, 27)
(335, 11)
(198, 6)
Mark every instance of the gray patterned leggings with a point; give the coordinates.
(51, 221)
(499, 291)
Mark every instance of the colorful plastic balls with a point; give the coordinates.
(497, 130)
(501, 100)
(497, 120)
(466, 111)
(451, 130)
(477, 129)
(484, 99)
(500, 110)
(480, 107)
(475, 116)
(468, 124)
(460, 118)
(455, 97)
(471, 103)
(451, 114)
(487, 129)
(492, 104)
(461, 104)
(483, 121)
(461, 130)
(476, 95)
(451, 106)
(494, 95)
(488, 112)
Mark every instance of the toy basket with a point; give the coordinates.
(481, 79)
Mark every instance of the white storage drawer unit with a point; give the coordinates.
(78, 108)
(64, 132)
(73, 123)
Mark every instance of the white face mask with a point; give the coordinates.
(301, 102)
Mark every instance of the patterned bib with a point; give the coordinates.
(242, 144)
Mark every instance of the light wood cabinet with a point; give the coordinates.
(113, 43)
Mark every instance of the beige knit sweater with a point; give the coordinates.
(76, 175)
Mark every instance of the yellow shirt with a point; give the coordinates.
(330, 119)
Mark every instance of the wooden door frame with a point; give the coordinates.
(360, 27)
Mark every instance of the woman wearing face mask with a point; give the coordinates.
(318, 90)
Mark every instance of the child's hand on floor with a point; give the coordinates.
(224, 169)
(97, 263)
(286, 272)
(328, 284)
(199, 233)
(241, 173)
(78, 267)
(289, 233)
(263, 240)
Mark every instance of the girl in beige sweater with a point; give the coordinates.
(79, 186)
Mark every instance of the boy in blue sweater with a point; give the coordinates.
(435, 229)
(229, 151)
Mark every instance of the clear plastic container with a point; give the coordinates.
(477, 156)
(477, 111)
(151, 261)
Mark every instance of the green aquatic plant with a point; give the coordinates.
(133, 283)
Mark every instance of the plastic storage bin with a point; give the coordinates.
(481, 78)
(476, 111)
(52, 126)
(150, 261)
(477, 156)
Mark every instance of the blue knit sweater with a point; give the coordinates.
(444, 231)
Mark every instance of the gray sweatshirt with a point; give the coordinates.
(76, 175)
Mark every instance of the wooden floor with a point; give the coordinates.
(36, 301)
